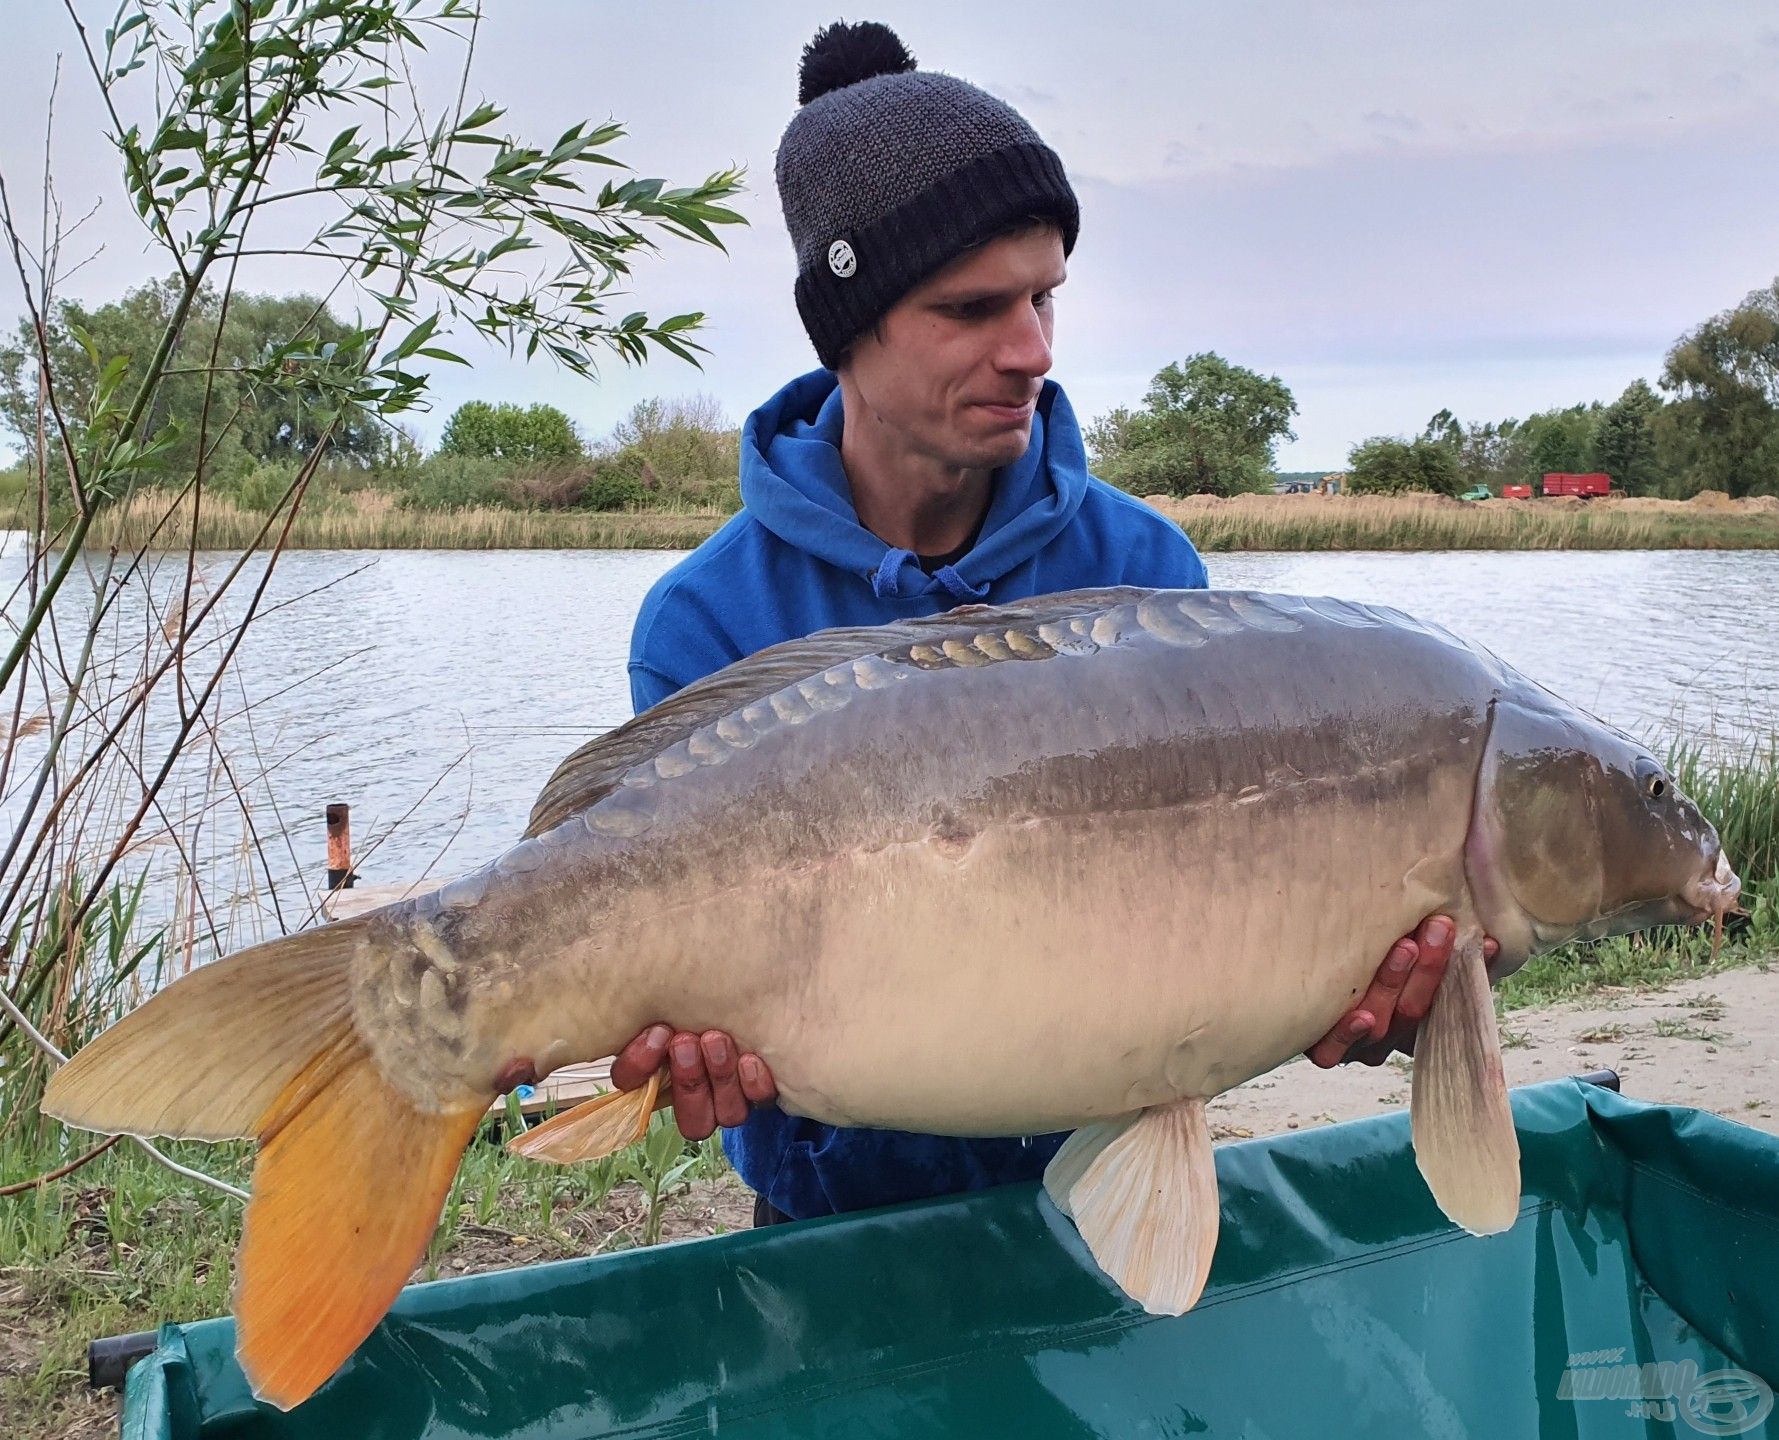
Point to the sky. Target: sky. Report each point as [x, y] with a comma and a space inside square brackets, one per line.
[1394, 207]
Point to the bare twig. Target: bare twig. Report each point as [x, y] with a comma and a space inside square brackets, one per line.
[61, 1171]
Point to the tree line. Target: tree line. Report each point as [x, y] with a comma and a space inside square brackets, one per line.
[1711, 422]
[252, 436]
[1205, 426]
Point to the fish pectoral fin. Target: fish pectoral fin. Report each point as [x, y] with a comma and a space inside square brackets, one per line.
[1465, 1143]
[1143, 1193]
[598, 1127]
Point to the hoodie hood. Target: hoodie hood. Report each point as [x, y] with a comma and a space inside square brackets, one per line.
[793, 483]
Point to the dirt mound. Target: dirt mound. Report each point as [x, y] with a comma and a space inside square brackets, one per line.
[1762, 504]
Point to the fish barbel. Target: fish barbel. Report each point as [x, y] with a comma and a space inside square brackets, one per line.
[1081, 862]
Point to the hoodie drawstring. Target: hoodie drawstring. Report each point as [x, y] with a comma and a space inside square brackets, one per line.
[960, 588]
[886, 583]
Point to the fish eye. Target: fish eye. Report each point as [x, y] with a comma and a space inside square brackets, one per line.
[1652, 778]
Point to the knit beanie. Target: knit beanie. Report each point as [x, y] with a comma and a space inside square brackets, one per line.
[887, 172]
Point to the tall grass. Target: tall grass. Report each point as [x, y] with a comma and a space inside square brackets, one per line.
[371, 518]
[72, 972]
[1305, 522]
[1741, 796]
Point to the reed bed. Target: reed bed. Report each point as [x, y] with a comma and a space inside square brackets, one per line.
[1427, 522]
[373, 520]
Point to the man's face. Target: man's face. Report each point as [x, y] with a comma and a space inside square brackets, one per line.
[955, 367]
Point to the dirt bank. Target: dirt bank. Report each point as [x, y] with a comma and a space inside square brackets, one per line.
[1712, 1044]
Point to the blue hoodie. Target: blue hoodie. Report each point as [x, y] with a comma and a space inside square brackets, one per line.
[795, 560]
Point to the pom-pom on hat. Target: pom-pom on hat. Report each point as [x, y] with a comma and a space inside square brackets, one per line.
[887, 172]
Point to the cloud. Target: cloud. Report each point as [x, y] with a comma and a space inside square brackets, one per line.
[1392, 120]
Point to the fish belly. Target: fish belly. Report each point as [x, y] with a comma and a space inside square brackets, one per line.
[1049, 972]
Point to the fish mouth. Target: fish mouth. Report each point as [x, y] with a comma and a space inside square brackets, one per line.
[1712, 898]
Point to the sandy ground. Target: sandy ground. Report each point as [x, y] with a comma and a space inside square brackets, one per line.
[1712, 1044]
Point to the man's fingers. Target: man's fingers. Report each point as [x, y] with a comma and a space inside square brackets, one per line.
[641, 1058]
[727, 1100]
[756, 1080]
[692, 1106]
[1434, 941]
[1386, 986]
[1332, 1047]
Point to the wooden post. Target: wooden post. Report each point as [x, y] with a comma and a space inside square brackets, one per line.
[339, 847]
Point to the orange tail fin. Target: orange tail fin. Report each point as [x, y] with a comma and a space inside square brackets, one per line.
[351, 1174]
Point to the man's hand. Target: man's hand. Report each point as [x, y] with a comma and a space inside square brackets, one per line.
[713, 1084]
[1390, 1012]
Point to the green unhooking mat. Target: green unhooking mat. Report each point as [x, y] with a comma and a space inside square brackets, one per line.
[1638, 1295]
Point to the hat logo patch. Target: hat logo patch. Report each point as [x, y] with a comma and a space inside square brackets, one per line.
[841, 260]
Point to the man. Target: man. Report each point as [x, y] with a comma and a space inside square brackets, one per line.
[929, 463]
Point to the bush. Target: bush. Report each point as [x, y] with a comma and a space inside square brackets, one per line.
[15, 486]
[261, 487]
[612, 490]
[478, 430]
[456, 482]
[1385, 466]
[681, 451]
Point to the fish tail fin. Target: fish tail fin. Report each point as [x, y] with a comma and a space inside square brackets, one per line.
[351, 1173]
[346, 1194]
[1465, 1143]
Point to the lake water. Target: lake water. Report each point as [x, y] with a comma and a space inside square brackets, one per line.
[382, 672]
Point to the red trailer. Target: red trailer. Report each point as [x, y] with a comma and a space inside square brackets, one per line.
[1516, 492]
[1559, 482]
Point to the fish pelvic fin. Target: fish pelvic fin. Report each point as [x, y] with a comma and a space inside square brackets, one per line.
[352, 1172]
[1465, 1143]
[597, 1127]
[1078, 1152]
[1143, 1193]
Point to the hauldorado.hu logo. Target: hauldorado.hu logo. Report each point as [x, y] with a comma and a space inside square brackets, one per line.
[1720, 1402]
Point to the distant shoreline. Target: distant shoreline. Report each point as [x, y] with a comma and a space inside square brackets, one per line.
[1216, 525]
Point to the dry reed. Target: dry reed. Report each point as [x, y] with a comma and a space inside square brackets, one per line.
[371, 520]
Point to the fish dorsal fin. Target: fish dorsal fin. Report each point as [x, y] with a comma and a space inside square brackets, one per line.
[592, 771]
